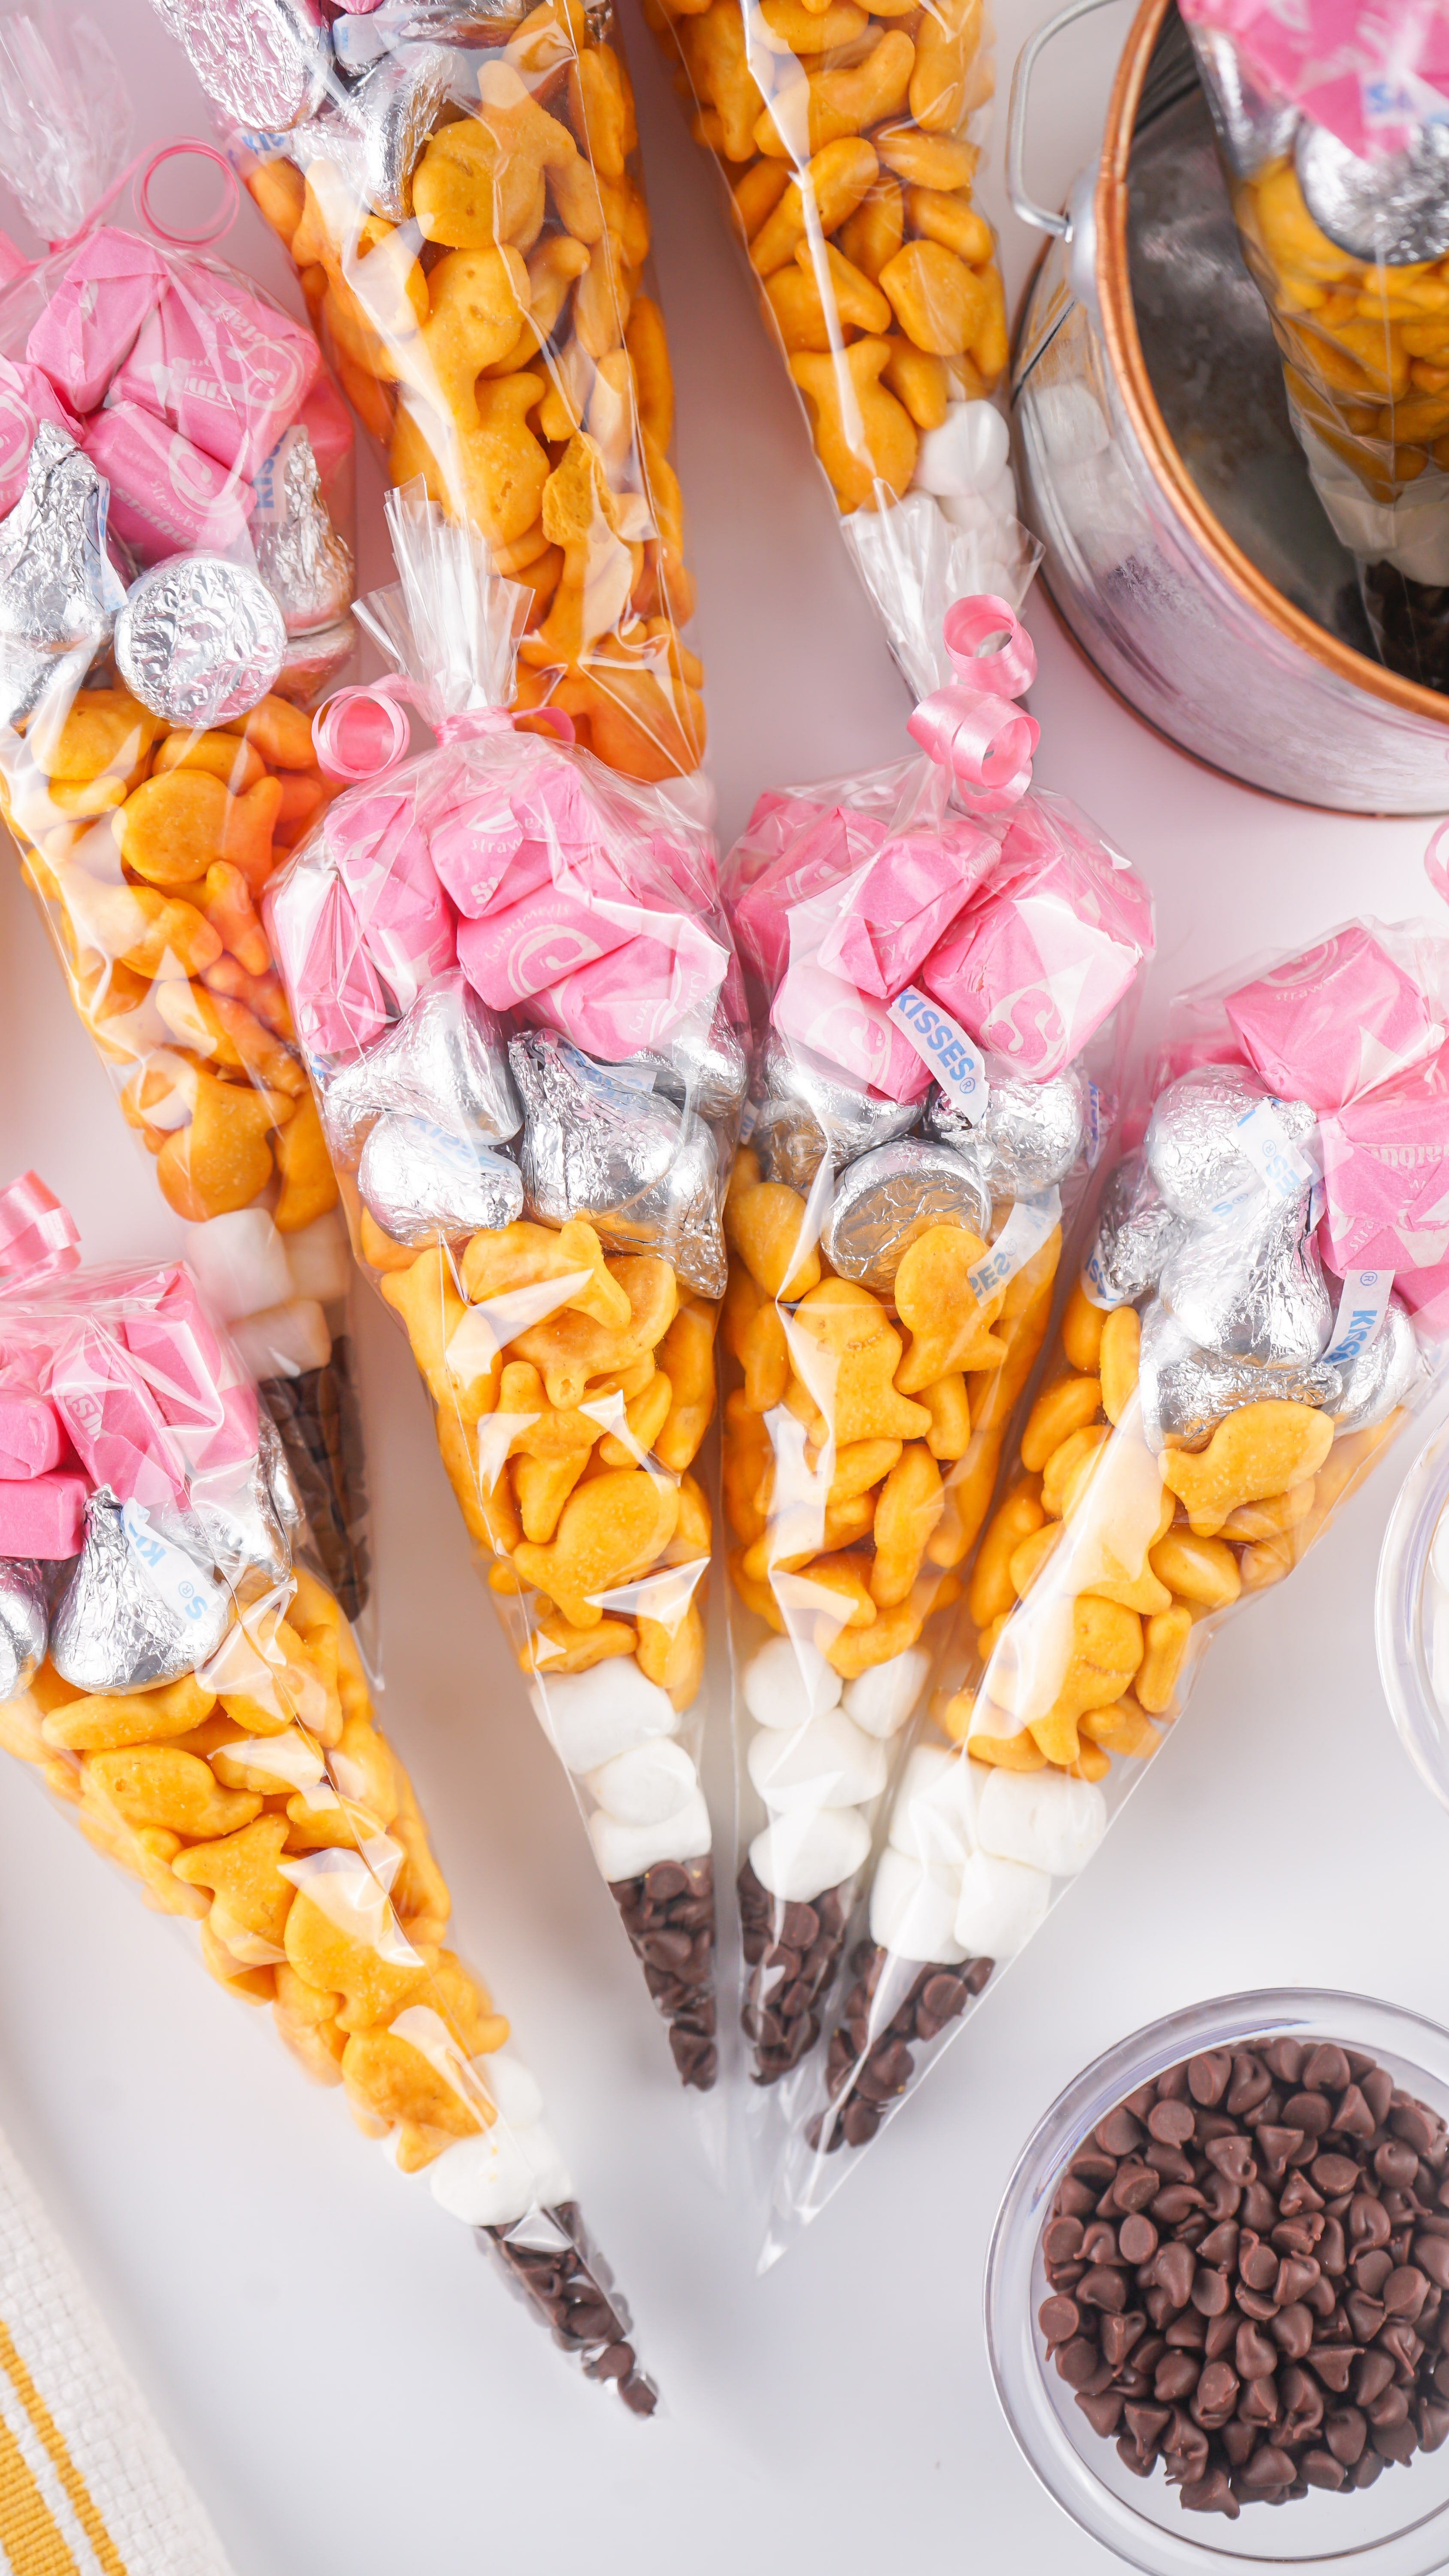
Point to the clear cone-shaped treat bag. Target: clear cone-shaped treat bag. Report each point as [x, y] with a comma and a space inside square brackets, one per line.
[460, 190]
[849, 140]
[1261, 1309]
[514, 982]
[937, 962]
[181, 1679]
[175, 588]
[1332, 122]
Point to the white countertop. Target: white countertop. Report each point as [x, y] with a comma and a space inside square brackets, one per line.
[347, 2385]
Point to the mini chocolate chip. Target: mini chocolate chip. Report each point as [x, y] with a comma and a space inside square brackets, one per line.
[1171, 2123]
[1254, 2357]
[1137, 2239]
[1325, 2069]
[1405, 2291]
[1118, 2134]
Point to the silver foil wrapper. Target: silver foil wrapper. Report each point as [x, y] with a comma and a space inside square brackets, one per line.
[599, 1148]
[1185, 1392]
[59, 592]
[24, 1623]
[1250, 1285]
[313, 662]
[265, 63]
[889, 1197]
[806, 1111]
[1383, 1376]
[1029, 1135]
[236, 1509]
[1391, 211]
[114, 1628]
[391, 112]
[421, 1181]
[300, 556]
[446, 1060]
[1193, 1149]
[282, 1492]
[704, 1070]
[1137, 1233]
[200, 640]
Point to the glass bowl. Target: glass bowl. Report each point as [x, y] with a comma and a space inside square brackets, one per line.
[1403, 1615]
[1397, 2527]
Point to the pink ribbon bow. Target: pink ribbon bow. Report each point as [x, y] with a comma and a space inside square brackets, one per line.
[362, 733]
[970, 727]
[38, 1237]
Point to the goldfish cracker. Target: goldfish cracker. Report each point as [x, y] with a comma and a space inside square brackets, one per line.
[1258, 1453]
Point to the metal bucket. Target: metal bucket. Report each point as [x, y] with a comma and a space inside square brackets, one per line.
[1185, 548]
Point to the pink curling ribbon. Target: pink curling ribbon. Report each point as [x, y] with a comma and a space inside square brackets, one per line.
[38, 1237]
[970, 727]
[362, 733]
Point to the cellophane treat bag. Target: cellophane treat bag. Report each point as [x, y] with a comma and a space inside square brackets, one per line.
[1331, 121]
[460, 190]
[1262, 1308]
[176, 579]
[515, 988]
[184, 1683]
[848, 139]
[939, 964]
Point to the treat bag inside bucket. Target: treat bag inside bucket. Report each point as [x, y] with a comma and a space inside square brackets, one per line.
[938, 964]
[517, 994]
[1332, 132]
[175, 586]
[194, 1696]
[849, 144]
[1261, 1310]
[461, 194]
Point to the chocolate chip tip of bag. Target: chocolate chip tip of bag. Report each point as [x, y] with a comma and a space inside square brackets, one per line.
[669, 1916]
[792, 1951]
[869, 2063]
[570, 2287]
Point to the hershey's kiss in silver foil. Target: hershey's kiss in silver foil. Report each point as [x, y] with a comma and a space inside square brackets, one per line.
[704, 1070]
[445, 1060]
[59, 592]
[596, 1147]
[1185, 1393]
[1250, 1284]
[236, 1509]
[392, 111]
[893, 1194]
[305, 564]
[200, 640]
[806, 1111]
[1382, 1376]
[1194, 1152]
[1392, 210]
[1136, 1233]
[420, 1180]
[120, 1626]
[24, 1623]
[265, 63]
[314, 661]
[1029, 1135]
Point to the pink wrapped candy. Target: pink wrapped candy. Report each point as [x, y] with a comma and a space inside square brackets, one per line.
[1336, 1021]
[114, 1422]
[27, 397]
[166, 496]
[31, 1439]
[226, 371]
[1386, 1174]
[84, 332]
[43, 1516]
[824, 1013]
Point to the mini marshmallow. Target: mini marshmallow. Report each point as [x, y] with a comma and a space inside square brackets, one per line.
[512, 2087]
[645, 1785]
[913, 1909]
[282, 1341]
[825, 1763]
[552, 2181]
[319, 1258]
[591, 1716]
[43, 1515]
[626, 1851]
[239, 1262]
[31, 1439]
[882, 1697]
[1042, 1818]
[787, 1681]
[933, 1815]
[1002, 1903]
[967, 452]
[487, 2180]
[798, 1856]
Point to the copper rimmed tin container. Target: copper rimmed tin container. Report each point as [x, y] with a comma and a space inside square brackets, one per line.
[1185, 548]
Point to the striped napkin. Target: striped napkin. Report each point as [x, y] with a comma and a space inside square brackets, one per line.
[88, 2486]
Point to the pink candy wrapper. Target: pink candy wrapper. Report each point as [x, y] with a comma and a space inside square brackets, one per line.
[224, 369]
[166, 497]
[27, 397]
[1341, 1019]
[1373, 75]
[99, 303]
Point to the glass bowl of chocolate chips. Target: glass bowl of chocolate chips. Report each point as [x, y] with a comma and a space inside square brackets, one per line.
[1219, 2282]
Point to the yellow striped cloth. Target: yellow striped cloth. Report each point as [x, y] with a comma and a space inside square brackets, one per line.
[88, 2485]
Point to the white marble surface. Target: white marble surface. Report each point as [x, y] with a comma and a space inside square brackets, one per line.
[348, 2387]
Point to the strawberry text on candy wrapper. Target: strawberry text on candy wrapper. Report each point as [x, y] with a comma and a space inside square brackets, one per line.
[942, 1043]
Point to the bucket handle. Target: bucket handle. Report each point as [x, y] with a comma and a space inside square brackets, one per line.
[1041, 218]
